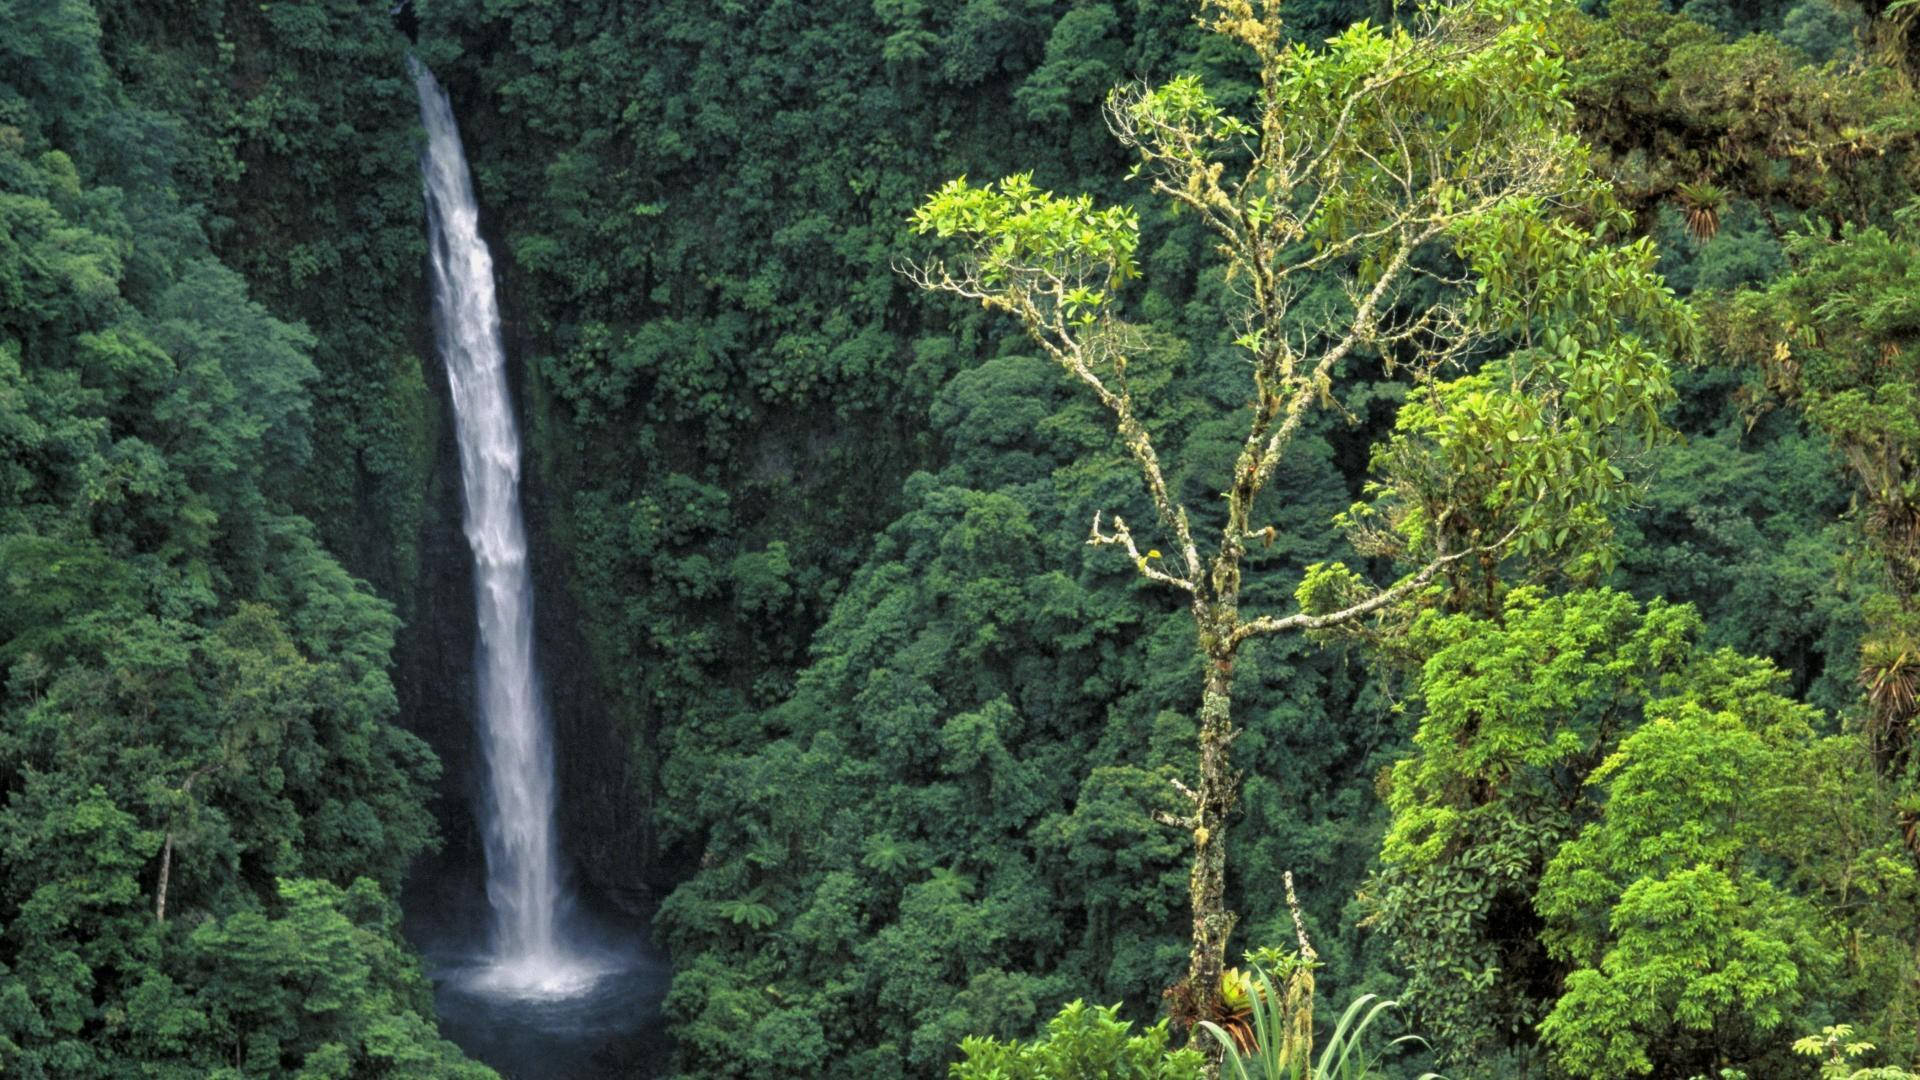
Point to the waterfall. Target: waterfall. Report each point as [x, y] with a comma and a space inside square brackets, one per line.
[529, 955]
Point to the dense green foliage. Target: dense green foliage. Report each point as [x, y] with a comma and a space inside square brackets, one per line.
[1082, 1043]
[293, 131]
[897, 735]
[205, 808]
[1580, 844]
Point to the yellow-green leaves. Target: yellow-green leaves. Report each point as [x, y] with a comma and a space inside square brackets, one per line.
[1329, 587]
[1541, 442]
[1672, 907]
[1652, 801]
[1065, 252]
[1082, 1040]
[1183, 105]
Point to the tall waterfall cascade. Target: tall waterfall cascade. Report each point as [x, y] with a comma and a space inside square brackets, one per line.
[524, 884]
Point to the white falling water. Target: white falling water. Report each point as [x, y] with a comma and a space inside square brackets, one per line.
[523, 878]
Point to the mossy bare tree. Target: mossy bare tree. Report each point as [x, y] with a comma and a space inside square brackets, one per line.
[1428, 169]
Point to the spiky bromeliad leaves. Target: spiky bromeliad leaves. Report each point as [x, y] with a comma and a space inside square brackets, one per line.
[1703, 203]
[1370, 161]
[1275, 1039]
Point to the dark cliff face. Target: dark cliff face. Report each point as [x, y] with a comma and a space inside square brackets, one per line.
[433, 654]
[605, 813]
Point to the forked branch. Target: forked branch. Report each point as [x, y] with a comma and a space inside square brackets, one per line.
[1300, 620]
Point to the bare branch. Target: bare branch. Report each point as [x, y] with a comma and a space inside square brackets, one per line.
[1299, 921]
[1268, 624]
[1183, 822]
[1188, 822]
[1081, 351]
[1123, 536]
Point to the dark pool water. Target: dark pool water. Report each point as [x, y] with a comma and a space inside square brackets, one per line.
[609, 1028]
[604, 1026]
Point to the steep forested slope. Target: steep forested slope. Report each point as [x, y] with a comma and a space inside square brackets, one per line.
[839, 677]
[295, 130]
[739, 379]
[707, 279]
[207, 805]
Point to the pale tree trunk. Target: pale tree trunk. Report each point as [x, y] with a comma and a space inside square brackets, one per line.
[1059, 290]
[166, 871]
[166, 849]
[1213, 801]
[1217, 623]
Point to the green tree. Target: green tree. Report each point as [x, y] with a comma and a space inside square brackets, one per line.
[1514, 714]
[1669, 909]
[1831, 338]
[315, 986]
[1082, 1043]
[1636, 844]
[1373, 160]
